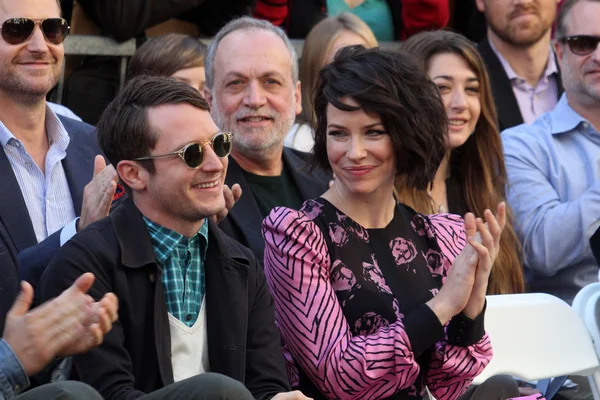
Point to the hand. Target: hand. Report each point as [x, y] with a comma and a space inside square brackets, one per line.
[295, 395]
[105, 313]
[48, 330]
[98, 194]
[456, 291]
[231, 197]
[487, 247]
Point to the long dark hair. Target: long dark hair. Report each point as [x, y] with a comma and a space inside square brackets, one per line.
[478, 163]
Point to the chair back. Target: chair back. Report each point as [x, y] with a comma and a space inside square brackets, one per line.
[537, 336]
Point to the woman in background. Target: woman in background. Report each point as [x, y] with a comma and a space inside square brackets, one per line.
[320, 46]
[175, 55]
[373, 300]
[471, 176]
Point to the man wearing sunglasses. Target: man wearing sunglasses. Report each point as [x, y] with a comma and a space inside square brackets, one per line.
[553, 165]
[253, 87]
[518, 55]
[46, 161]
[192, 299]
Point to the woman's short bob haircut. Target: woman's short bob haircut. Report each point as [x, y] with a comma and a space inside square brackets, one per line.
[387, 84]
[164, 55]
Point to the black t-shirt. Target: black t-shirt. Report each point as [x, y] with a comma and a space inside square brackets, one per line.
[274, 191]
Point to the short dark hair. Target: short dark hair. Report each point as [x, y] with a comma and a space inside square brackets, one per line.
[565, 8]
[390, 85]
[124, 132]
[164, 55]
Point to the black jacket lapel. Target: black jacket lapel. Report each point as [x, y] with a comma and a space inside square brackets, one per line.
[509, 113]
[13, 210]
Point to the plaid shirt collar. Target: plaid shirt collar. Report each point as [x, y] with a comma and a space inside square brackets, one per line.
[165, 240]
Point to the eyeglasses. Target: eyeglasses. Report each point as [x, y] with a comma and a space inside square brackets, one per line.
[582, 45]
[19, 30]
[192, 154]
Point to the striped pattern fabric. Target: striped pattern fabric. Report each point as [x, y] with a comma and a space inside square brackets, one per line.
[46, 194]
[182, 261]
[315, 331]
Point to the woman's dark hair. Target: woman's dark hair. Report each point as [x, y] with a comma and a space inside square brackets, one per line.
[164, 55]
[478, 164]
[390, 85]
[124, 131]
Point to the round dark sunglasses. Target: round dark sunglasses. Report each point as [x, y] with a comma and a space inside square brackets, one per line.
[582, 45]
[193, 154]
[19, 30]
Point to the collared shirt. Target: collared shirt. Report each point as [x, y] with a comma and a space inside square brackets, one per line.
[553, 168]
[533, 101]
[182, 261]
[47, 195]
[13, 379]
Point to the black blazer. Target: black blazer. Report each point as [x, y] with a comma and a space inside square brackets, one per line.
[244, 221]
[509, 113]
[79, 169]
[243, 341]
[9, 275]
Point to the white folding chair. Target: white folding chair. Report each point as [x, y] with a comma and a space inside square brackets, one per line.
[537, 336]
[587, 305]
[582, 297]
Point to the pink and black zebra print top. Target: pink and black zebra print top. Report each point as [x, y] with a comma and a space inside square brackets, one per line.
[350, 304]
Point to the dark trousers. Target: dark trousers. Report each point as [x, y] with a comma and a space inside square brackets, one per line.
[499, 387]
[208, 386]
[69, 390]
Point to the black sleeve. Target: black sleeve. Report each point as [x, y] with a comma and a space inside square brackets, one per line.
[124, 19]
[265, 369]
[107, 368]
[464, 331]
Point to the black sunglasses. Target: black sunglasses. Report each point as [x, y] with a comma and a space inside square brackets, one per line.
[582, 45]
[19, 30]
[192, 154]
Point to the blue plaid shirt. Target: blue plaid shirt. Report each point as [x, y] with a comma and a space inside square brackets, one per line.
[182, 262]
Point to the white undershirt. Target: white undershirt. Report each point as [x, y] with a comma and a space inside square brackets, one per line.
[189, 346]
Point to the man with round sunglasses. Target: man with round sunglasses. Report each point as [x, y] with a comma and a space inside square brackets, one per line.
[553, 165]
[192, 299]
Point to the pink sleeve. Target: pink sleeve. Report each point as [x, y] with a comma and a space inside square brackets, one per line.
[453, 368]
[313, 325]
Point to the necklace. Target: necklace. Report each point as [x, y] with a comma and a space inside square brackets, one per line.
[436, 206]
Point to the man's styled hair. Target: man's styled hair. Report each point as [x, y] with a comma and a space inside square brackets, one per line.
[164, 55]
[565, 8]
[387, 84]
[124, 132]
[246, 24]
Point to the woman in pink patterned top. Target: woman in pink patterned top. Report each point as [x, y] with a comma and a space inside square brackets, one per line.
[373, 300]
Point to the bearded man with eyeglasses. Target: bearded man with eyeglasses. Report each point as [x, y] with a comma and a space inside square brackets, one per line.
[553, 165]
[194, 301]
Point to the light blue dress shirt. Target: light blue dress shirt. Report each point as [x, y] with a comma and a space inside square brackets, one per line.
[46, 194]
[553, 168]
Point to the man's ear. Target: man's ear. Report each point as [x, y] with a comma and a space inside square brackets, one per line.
[207, 94]
[132, 174]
